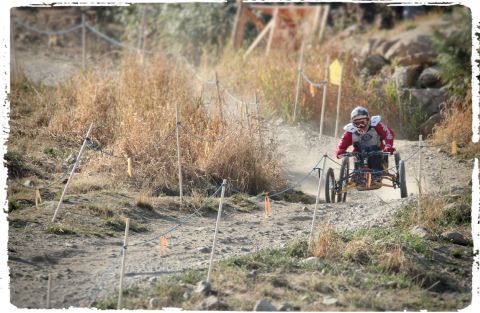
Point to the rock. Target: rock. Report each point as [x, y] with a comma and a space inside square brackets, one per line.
[419, 231]
[203, 287]
[286, 307]
[153, 280]
[28, 183]
[329, 300]
[421, 58]
[305, 209]
[204, 250]
[252, 274]
[212, 303]
[312, 260]
[70, 159]
[373, 64]
[428, 100]
[426, 128]
[154, 303]
[264, 305]
[430, 77]
[244, 249]
[382, 46]
[455, 237]
[349, 31]
[186, 295]
[406, 76]
[412, 47]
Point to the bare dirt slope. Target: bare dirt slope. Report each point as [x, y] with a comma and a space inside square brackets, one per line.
[86, 269]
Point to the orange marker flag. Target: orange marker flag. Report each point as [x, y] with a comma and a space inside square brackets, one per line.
[163, 245]
[38, 198]
[267, 205]
[312, 90]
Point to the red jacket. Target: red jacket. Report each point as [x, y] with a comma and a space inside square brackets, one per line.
[385, 133]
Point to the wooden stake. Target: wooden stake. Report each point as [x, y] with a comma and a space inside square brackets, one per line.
[217, 83]
[299, 80]
[317, 200]
[335, 135]
[324, 98]
[122, 269]
[259, 37]
[220, 205]
[38, 199]
[324, 22]
[179, 154]
[129, 167]
[272, 31]
[84, 42]
[419, 177]
[82, 149]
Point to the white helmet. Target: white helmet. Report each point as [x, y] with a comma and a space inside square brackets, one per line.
[360, 119]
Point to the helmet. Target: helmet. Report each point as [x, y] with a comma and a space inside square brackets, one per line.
[360, 119]
[359, 112]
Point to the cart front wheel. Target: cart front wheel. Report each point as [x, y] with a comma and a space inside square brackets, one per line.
[329, 186]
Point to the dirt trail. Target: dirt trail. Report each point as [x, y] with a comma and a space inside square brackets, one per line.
[86, 269]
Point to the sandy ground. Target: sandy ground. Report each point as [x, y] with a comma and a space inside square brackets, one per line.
[86, 269]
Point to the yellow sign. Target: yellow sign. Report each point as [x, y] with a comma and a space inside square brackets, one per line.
[335, 70]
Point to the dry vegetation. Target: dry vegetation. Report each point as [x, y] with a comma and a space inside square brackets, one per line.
[132, 110]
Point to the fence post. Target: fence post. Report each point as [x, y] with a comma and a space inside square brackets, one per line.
[317, 200]
[299, 80]
[217, 84]
[324, 98]
[82, 149]
[122, 269]
[49, 289]
[84, 49]
[179, 154]
[216, 230]
[338, 103]
[419, 177]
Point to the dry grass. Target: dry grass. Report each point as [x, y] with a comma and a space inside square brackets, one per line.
[84, 183]
[457, 126]
[393, 260]
[328, 243]
[134, 108]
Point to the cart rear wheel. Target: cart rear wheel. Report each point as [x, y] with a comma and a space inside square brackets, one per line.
[402, 179]
[329, 186]
[397, 160]
[344, 171]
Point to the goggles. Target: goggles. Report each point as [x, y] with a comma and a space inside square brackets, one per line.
[361, 122]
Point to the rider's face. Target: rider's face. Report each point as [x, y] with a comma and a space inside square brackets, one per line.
[360, 122]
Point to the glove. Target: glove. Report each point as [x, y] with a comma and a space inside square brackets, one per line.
[338, 153]
[388, 149]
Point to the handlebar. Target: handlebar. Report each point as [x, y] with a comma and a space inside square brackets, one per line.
[363, 154]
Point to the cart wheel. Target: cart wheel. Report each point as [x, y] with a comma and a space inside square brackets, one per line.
[402, 179]
[329, 186]
[343, 179]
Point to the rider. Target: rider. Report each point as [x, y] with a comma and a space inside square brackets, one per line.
[367, 134]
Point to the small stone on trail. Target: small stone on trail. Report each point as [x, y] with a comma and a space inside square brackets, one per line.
[264, 305]
[153, 303]
[203, 287]
[285, 307]
[305, 209]
[212, 303]
[204, 250]
[419, 231]
[329, 300]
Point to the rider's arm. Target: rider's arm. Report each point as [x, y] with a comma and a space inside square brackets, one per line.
[345, 142]
[386, 134]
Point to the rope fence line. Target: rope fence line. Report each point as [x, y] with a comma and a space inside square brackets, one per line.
[183, 221]
[46, 32]
[317, 85]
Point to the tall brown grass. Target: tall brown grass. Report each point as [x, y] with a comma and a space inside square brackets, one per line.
[456, 125]
[133, 108]
[275, 78]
